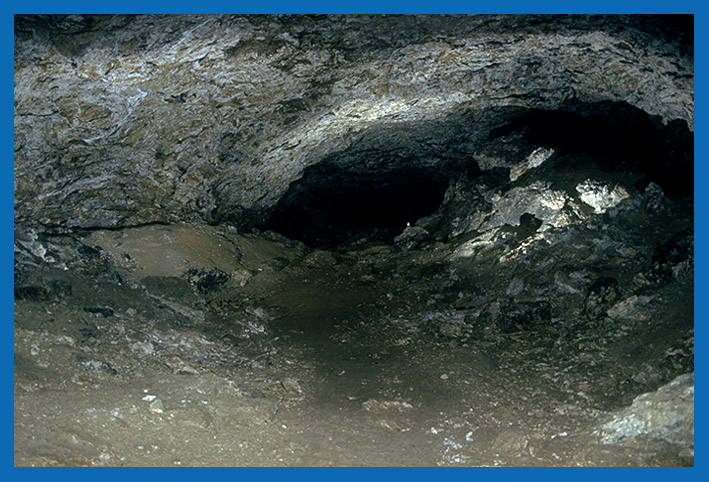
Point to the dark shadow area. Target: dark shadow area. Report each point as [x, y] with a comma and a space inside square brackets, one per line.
[393, 176]
[331, 204]
[619, 136]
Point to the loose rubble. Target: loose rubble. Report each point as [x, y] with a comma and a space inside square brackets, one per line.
[491, 357]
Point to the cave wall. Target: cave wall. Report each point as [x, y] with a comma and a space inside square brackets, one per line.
[128, 120]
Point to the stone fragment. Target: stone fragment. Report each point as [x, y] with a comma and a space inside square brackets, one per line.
[374, 405]
[601, 196]
[143, 347]
[412, 237]
[179, 367]
[631, 308]
[665, 414]
[320, 259]
[538, 157]
[156, 406]
[291, 386]
[537, 199]
[393, 425]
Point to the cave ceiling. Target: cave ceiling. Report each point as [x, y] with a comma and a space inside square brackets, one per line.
[131, 120]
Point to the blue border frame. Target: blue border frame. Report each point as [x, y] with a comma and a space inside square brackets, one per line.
[365, 6]
[362, 6]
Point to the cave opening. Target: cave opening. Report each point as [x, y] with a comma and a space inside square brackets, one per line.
[334, 204]
[373, 192]
[538, 311]
[614, 136]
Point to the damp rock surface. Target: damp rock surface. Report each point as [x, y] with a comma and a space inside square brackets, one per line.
[353, 241]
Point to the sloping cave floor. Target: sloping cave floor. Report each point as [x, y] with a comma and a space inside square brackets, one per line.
[194, 345]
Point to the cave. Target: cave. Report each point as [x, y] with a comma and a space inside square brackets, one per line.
[370, 191]
[353, 240]
[330, 205]
[372, 194]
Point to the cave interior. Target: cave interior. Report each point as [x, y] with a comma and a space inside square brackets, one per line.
[354, 240]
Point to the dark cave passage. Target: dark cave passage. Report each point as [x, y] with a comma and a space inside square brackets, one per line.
[331, 204]
[374, 193]
[353, 240]
[618, 136]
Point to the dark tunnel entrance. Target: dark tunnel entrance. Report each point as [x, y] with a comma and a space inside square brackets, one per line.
[331, 204]
[373, 192]
[618, 137]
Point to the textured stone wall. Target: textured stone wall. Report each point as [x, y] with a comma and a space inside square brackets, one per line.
[127, 120]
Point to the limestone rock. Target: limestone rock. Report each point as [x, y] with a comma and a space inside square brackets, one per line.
[665, 414]
[126, 120]
[600, 196]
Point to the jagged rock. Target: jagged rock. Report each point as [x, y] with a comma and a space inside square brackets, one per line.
[600, 196]
[665, 414]
[412, 237]
[630, 308]
[481, 224]
[535, 159]
[320, 259]
[548, 205]
[126, 120]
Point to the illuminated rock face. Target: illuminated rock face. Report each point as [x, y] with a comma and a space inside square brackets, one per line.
[128, 120]
[402, 240]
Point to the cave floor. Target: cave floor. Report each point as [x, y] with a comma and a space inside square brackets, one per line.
[137, 349]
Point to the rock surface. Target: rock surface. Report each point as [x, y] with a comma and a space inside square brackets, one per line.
[127, 120]
[666, 414]
[353, 240]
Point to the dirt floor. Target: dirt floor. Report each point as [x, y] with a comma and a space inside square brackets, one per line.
[199, 346]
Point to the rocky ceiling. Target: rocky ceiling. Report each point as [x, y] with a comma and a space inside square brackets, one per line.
[131, 120]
